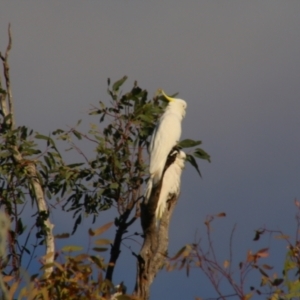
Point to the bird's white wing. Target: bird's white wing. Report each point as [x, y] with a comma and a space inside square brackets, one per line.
[170, 184]
[164, 138]
[164, 193]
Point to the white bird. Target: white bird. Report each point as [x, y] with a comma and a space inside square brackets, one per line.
[170, 182]
[165, 136]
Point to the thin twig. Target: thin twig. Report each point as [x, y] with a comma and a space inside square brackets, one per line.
[230, 247]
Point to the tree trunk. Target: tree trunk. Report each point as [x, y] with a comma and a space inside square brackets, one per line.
[6, 105]
[156, 240]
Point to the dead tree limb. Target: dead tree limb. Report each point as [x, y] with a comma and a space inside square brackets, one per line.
[156, 241]
[6, 105]
[7, 94]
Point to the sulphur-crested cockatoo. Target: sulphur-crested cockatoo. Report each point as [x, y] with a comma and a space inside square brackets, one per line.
[165, 136]
[170, 182]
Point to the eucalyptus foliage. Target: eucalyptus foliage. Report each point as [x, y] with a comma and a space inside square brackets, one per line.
[117, 173]
[88, 186]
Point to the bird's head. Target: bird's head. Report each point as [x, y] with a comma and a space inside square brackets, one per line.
[181, 155]
[175, 103]
[176, 156]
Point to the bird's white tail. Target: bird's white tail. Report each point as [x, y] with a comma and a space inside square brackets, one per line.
[148, 189]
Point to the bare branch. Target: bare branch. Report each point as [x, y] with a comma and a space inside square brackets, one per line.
[231, 247]
[5, 64]
[29, 165]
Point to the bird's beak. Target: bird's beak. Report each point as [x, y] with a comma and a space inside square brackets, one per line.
[167, 97]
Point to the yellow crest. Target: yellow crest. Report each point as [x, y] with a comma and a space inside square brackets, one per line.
[166, 96]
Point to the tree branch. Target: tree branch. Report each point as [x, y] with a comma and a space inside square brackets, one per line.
[156, 240]
[27, 164]
[116, 246]
[4, 228]
[4, 59]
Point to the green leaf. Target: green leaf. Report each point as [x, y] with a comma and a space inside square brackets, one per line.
[102, 118]
[146, 118]
[289, 265]
[75, 165]
[41, 137]
[48, 162]
[114, 185]
[46, 138]
[295, 288]
[5, 154]
[71, 248]
[102, 229]
[200, 153]
[77, 134]
[62, 236]
[118, 83]
[263, 272]
[97, 261]
[193, 162]
[58, 131]
[26, 250]
[277, 281]
[77, 222]
[188, 143]
[103, 242]
[258, 233]
[20, 227]
[100, 249]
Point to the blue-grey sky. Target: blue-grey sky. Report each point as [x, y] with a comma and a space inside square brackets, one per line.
[236, 63]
